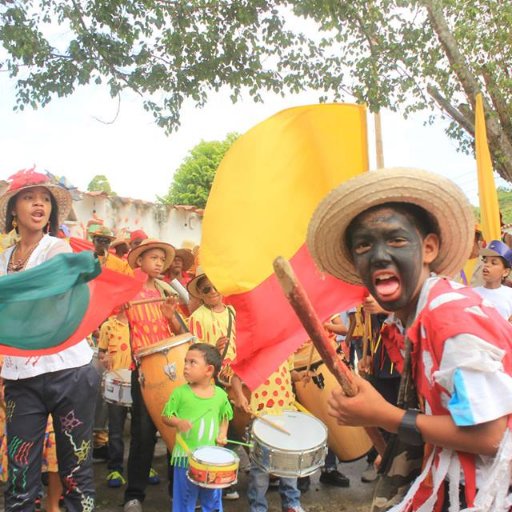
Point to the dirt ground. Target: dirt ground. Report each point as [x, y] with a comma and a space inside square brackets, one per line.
[319, 498]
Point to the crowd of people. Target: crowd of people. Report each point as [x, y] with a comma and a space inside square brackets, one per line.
[431, 357]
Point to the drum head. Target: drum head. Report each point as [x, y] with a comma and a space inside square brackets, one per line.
[214, 455]
[123, 375]
[306, 432]
[167, 344]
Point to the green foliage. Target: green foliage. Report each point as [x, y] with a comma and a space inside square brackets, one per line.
[100, 183]
[406, 55]
[193, 179]
[505, 201]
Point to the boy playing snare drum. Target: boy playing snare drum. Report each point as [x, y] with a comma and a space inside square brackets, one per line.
[200, 412]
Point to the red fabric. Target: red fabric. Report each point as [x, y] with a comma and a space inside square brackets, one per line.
[79, 244]
[267, 329]
[108, 290]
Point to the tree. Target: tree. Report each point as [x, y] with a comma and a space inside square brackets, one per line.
[100, 184]
[194, 177]
[399, 54]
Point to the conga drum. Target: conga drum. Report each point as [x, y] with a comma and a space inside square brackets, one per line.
[348, 443]
[160, 372]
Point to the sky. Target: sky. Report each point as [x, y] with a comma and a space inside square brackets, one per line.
[67, 138]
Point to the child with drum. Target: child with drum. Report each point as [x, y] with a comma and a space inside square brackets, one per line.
[274, 396]
[200, 411]
[389, 230]
[151, 320]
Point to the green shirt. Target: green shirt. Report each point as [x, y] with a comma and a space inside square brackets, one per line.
[211, 411]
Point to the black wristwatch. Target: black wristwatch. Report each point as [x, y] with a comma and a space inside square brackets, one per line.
[408, 431]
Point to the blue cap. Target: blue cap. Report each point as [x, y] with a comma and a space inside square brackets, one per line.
[498, 248]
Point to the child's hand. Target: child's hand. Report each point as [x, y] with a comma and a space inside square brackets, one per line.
[221, 343]
[242, 403]
[221, 440]
[183, 425]
[169, 307]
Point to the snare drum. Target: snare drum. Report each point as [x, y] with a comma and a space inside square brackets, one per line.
[117, 387]
[160, 372]
[213, 467]
[296, 455]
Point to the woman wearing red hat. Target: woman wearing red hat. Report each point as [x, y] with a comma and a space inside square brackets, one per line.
[60, 384]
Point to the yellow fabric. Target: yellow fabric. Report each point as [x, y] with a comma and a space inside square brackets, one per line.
[208, 326]
[275, 394]
[268, 185]
[488, 197]
[115, 339]
[117, 264]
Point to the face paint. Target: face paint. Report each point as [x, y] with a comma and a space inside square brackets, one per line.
[387, 251]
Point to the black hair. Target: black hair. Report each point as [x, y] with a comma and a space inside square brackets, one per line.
[421, 219]
[53, 221]
[201, 280]
[211, 355]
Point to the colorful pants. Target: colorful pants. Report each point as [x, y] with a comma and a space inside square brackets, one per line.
[65, 394]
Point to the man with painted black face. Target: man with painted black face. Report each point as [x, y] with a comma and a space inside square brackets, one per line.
[393, 230]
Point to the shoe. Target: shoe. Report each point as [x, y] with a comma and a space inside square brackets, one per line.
[335, 478]
[153, 478]
[369, 474]
[230, 493]
[132, 506]
[273, 482]
[115, 479]
[303, 483]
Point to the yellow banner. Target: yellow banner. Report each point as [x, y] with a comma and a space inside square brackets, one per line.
[488, 196]
[268, 185]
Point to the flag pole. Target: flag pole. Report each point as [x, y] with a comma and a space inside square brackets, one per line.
[379, 145]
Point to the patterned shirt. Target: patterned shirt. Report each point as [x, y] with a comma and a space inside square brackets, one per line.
[115, 339]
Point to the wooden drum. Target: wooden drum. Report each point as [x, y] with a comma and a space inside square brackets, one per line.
[348, 443]
[160, 372]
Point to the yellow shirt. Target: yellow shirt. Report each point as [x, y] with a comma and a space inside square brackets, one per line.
[276, 393]
[115, 339]
[117, 264]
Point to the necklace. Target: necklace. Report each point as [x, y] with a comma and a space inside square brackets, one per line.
[15, 265]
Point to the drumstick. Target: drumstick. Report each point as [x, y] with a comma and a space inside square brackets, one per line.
[270, 423]
[367, 333]
[183, 444]
[301, 408]
[310, 358]
[232, 441]
[199, 417]
[303, 308]
[145, 301]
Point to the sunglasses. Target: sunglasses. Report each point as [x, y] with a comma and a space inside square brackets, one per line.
[207, 289]
[102, 240]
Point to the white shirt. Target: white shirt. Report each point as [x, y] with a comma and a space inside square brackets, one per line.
[17, 367]
[500, 298]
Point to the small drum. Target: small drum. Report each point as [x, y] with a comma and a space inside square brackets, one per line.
[213, 467]
[298, 454]
[160, 372]
[117, 387]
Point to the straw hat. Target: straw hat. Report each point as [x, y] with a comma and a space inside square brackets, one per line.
[119, 241]
[437, 195]
[192, 284]
[102, 231]
[28, 178]
[187, 257]
[147, 244]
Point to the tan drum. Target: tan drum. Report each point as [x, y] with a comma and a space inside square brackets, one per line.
[160, 372]
[213, 467]
[348, 443]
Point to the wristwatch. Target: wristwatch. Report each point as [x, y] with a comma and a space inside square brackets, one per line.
[408, 432]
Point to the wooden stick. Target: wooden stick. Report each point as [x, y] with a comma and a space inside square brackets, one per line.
[199, 417]
[379, 146]
[232, 441]
[145, 301]
[270, 423]
[310, 357]
[367, 333]
[303, 308]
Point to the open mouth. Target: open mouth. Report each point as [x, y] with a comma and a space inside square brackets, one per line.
[37, 215]
[387, 285]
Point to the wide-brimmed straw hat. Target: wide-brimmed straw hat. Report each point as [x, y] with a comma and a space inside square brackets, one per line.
[192, 284]
[186, 256]
[439, 196]
[119, 241]
[101, 231]
[28, 178]
[147, 244]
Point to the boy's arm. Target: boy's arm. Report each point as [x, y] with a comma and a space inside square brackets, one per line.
[222, 438]
[369, 409]
[180, 424]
